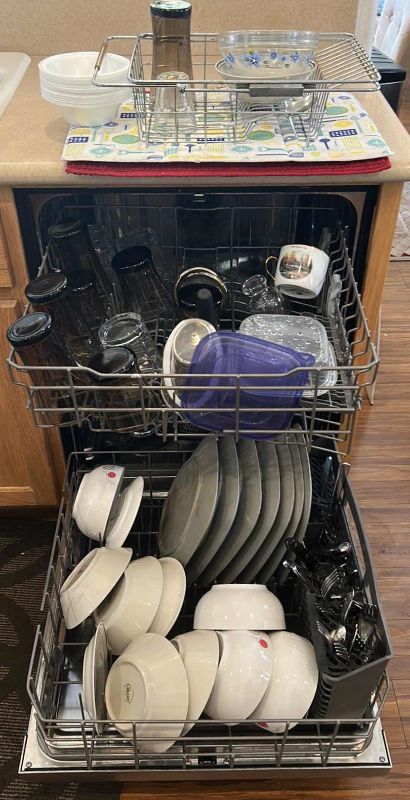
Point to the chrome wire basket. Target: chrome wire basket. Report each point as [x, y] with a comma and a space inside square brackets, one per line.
[225, 108]
[77, 398]
[66, 735]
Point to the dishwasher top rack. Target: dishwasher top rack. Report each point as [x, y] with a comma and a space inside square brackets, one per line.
[225, 108]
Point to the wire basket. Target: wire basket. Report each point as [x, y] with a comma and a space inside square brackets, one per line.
[65, 734]
[77, 398]
[221, 112]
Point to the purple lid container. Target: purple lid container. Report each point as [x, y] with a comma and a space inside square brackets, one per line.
[212, 402]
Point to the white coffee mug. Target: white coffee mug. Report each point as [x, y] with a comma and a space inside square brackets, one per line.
[301, 270]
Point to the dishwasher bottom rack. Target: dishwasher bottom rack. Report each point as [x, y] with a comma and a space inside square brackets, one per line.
[63, 743]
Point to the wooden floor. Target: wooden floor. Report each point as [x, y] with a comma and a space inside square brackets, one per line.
[381, 480]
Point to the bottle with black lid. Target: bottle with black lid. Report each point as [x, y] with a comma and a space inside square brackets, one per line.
[171, 28]
[71, 303]
[71, 250]
[122, 389]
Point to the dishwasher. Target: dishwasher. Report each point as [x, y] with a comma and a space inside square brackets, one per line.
[232, 231]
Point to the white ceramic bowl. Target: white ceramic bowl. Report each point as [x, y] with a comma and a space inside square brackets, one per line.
[133, 603]
[121, 522]
[243, 675]
[172, 597]
[90, 582]
[199, 651]
[239, 606]
[96, 500]
[91, 116]
[148, 682]
[293, 684]
[95, 671]
[84, 98]
[77, 69]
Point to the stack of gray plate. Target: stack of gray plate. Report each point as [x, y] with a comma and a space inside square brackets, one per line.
[233, 505]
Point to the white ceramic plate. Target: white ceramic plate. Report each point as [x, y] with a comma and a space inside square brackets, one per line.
[172, 597]
[91, 581]
[269, 466]
[287, 499]
[199, 651]
[120, 525]
[131, 606]
[250, 502]
[225, 511]
[191, 503]
[95, 671]
[278, 554]
[148, 682]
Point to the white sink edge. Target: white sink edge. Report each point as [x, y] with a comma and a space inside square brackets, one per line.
[14, 65]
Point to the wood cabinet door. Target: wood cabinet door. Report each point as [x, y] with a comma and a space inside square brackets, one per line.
[28, 476]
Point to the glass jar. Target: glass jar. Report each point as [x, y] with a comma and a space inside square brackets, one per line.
[37, 342]
[142, 289]
[171, 28]
[71, 250]
[263, 299]
[122, 390]
[129, 330]
[65, 299]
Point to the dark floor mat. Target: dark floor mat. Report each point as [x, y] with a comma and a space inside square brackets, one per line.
[24, 554]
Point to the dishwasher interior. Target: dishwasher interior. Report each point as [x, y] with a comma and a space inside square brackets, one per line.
[232, 233]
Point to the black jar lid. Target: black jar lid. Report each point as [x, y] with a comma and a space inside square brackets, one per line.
[132, 259]
[63, 230]
[81, 280]
[113, 361]
[171, 8]
[47, 288]
[30, 329]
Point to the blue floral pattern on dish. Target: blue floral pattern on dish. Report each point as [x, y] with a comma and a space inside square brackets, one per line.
[256, 59]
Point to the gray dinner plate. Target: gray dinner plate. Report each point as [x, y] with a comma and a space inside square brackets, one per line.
[279, 553]
[269, 466]
[307, 501]
[287, 499]
[225, 511]
[250, 502]
[191, 503]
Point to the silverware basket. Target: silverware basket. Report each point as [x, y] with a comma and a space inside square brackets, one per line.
[62, 738]
[72, 398]
[342, 65]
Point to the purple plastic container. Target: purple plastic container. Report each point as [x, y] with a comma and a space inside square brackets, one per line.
[258, 408]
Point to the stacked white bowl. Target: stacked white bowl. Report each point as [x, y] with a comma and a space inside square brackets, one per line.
[66, 81]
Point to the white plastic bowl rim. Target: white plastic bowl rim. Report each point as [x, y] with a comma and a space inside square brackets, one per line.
[46, 67]
[88, 91]
[90, 102]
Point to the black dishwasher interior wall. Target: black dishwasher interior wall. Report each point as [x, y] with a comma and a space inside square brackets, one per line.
[230, 231]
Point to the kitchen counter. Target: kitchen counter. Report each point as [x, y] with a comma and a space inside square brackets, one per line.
[32, 134]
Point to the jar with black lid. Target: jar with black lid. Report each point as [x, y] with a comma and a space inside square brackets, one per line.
[120, 388]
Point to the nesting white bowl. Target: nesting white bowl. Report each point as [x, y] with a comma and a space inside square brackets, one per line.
[131, 607]
[243, 675]
[148, 682]
[199, 651]
[91, 581]
[95, 501]
[239, 606]
[293, 684]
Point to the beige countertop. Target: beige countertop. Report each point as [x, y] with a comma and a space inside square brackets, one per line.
[32, 134]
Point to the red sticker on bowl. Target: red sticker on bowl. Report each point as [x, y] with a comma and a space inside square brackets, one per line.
[263, 643]
[112, 474]
[263, 724]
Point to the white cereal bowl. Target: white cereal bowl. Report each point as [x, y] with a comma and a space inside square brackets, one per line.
[239, 606]
[91, 115]
[293, 684]
[172, 597]
[96, 499]
[243, 675]
[91, 581]
[130, 608]
[77, 69]
[148, 682]
[199, 651]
